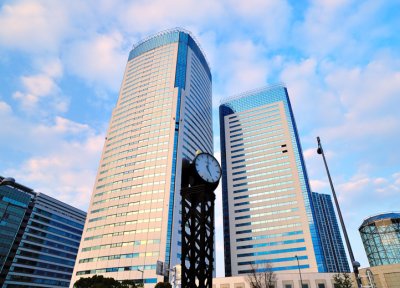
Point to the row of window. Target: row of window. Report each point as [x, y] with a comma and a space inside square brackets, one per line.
[253, 112]
[270, 235]
[115, 190]
[123, 223]
[117, 139]
[263, 180]
[121, 233]
[259, 135]
[145, 155]
[262, 174]
[259, 157]
[274, 205]
[117, 269]
[131, 195]
[275, 260]
[131, 172]
[129, 204]
[123, 214]
[266, 214]
[261, 116]
[263, 124]
[250, 231]
[119, 256]
[265, 221]
[264, 193]
[258, 130]
[274, 243]
[147, 140]
[122, 244]
[255, 188]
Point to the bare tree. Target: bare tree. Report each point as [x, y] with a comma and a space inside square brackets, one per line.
[261, 277]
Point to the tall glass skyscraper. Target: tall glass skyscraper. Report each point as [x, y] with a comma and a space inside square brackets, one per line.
[267, 208]
[163, 113]
[331, 240]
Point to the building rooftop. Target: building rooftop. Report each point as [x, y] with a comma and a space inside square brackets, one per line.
[381, 216]
[251, 92]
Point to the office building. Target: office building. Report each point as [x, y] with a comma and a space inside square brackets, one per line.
[380, 235]
[44, 249]
[331, 240]
[267, 209]
[163, 113]
[14, 203]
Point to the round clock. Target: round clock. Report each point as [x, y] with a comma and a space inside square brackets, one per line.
[207, 168]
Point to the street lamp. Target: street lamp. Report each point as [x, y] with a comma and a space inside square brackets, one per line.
[298, 265]
[354, 263]
[140, 270]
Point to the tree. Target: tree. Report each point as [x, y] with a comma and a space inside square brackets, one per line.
[99, 281]
[163, 285]
[263, 277]
[342, 280]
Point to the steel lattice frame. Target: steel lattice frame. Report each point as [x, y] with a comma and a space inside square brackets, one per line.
[197, 236]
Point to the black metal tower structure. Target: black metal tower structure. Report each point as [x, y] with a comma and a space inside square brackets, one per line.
[197, 236]
[197, 226]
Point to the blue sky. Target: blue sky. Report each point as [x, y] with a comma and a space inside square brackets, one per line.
[62, 62]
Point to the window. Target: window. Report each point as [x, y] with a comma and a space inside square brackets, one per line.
[288, 286]
[321, 285]
[304, 285]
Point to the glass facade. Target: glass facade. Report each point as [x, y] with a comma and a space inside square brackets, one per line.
[381, 238]
[163, 114]
[267, 207]
[46, 254]
[331, 240]
[13, 206]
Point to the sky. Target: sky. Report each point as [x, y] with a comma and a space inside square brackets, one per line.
[62, 63]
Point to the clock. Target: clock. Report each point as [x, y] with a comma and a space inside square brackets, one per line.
[206, 169]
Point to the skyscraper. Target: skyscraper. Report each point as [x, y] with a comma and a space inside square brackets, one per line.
[163, 113]
[331, 240]
[267, 208]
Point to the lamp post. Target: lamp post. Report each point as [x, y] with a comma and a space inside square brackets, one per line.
[298, 265]
[354, 263]
[141, 270]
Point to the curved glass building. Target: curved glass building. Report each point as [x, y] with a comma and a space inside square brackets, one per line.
[381, 238]
[163, 113]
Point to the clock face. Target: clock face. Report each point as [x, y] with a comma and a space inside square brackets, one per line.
[207, 167]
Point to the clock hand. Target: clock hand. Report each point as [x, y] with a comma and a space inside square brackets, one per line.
[208, 169]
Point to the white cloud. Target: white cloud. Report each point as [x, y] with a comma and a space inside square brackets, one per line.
[36, 88]
[67, 174]
[100, 60]
[62, 166]
[272, 18]
[32, 25]
[152, 16]
[241, 67]
[5, 108]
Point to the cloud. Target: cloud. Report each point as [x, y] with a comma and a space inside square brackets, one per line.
[168, 14]
[32, 25]
[63, 166]
[272, 18]
[99, 60]
[36, 88]
[241, 67]
[5, 108]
